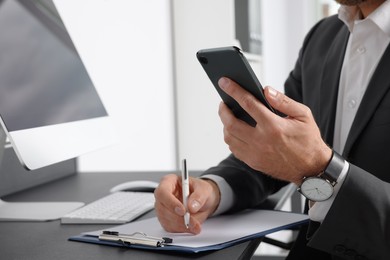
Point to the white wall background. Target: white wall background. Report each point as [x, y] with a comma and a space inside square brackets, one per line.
[127, 49]
[285, 24]
[199, 24]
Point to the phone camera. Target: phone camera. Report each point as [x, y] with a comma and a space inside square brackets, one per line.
[203, 60]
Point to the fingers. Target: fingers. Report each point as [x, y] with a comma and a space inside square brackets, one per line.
[173, 222]
[170, 210]
[204, 199]
[258, 111]
[286, 105]
[168, 192]
[234, 129]
[247, 101]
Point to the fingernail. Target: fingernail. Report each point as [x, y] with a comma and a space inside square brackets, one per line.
[272, 92]
[223, 83]
[179, 211]
[195, 205]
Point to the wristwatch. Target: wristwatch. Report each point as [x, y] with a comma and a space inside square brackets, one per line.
[320, 188]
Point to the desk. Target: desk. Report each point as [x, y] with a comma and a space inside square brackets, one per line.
[48, 240]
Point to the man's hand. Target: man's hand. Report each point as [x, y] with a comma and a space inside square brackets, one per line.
[203, 200]
[287, 148]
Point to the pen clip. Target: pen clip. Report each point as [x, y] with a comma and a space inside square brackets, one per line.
[137, 238]
[184, 169]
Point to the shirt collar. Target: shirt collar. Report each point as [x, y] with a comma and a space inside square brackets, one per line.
[349, 14]
[381, 16]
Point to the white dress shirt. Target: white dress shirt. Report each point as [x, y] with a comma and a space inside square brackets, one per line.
[368, 40]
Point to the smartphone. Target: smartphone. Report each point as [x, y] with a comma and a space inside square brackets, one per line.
[231, 63]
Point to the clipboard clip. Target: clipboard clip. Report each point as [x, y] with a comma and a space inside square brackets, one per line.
[137, 238]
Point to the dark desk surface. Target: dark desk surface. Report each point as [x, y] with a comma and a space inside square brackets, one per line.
[48, 240]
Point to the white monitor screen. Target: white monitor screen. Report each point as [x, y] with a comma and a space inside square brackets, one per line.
[49, 106]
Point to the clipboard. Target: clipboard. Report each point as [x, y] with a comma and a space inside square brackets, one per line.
[217, 232]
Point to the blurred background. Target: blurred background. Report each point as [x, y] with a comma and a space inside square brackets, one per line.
[141, 57]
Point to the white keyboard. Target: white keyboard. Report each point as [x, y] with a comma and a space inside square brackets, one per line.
[115, 208]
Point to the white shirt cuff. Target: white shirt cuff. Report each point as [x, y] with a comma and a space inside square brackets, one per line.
[227, 195]
[319, 210]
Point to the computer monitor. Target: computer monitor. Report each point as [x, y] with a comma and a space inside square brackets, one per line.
[49, 107]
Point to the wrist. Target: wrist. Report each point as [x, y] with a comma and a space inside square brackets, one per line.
[216, 196]
[324, 159]
[319, 163]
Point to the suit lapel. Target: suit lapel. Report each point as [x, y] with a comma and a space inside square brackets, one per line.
[379, 84]
[330, 84]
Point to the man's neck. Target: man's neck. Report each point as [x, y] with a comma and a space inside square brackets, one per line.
[366, 8]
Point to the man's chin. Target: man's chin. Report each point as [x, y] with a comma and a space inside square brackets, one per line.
[350, 2]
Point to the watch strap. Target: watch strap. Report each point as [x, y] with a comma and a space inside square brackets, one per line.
[334, 168]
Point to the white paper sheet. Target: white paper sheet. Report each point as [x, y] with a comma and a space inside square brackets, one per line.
[219, 229]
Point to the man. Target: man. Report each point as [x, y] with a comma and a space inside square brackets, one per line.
[337, 125]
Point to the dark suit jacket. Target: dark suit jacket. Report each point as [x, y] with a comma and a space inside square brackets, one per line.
[358, 223]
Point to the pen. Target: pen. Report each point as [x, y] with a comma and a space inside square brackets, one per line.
[185, 185]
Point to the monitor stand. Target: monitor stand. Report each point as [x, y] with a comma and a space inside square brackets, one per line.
[32, 211]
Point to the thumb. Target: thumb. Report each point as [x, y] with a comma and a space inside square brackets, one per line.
[284, 104]
[198, 197]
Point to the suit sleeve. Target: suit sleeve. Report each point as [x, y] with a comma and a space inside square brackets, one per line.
[358, 223]
[250, 187]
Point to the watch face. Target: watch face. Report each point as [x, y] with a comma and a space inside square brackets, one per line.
[316, 189]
